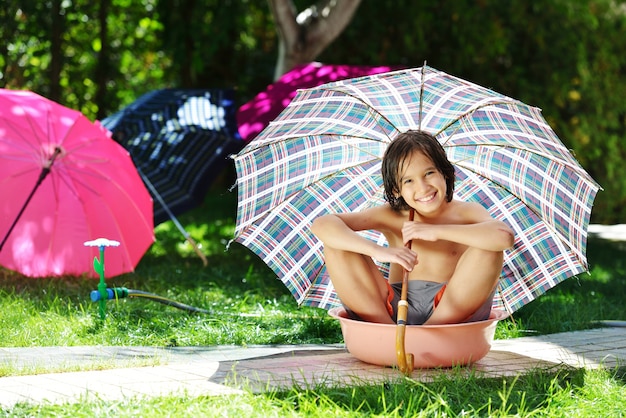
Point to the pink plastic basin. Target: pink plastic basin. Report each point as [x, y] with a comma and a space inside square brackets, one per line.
[431, 345]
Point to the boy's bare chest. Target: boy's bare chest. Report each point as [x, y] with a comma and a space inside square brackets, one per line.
[436, 260]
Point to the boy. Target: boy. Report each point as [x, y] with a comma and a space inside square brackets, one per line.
[457, 247]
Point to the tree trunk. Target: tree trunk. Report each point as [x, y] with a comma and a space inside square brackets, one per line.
[303, 36]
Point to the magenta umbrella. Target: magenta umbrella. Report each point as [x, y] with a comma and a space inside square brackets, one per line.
[63, 182]
[256, 114]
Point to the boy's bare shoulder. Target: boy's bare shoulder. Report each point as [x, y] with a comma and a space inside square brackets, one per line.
[468, 211]
[462, 204]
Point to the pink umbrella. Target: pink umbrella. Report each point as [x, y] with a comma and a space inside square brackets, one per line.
[256, 114]
[63, 182]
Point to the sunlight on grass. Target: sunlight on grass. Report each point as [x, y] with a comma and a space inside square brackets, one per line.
[169, 234]
[12, 369]
[559, 393]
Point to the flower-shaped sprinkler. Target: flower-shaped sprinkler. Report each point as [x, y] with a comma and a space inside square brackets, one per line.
[98, 266]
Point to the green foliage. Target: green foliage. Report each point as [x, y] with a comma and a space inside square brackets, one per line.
[564, 56]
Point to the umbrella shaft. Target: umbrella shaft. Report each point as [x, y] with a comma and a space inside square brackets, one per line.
[44, 173]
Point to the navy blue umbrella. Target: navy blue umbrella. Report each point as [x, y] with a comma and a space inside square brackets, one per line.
[180, 140]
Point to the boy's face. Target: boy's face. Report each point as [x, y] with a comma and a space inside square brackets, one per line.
[422, 185]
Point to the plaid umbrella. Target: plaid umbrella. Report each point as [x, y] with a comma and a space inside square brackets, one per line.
[323, 154]
[255, 115]
[180, 140]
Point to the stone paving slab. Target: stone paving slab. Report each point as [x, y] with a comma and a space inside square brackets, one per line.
[227, 370]
[583, 349]
[610, 232]
[32, 358]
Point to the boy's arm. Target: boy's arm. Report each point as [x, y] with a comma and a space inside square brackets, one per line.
[476, 229]
[339, 231]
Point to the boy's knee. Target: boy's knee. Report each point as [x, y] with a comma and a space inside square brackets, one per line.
[483, 258]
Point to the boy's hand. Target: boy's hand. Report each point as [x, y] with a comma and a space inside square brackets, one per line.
[403, 256]
[418, 230]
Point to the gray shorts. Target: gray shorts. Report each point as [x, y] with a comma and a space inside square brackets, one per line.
[421, 296]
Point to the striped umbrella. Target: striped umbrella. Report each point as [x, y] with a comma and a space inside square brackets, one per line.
[180, 140]
[322, 154]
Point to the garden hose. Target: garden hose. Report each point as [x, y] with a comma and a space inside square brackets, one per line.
[122, 292]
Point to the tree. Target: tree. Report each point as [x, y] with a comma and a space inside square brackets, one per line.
[564, 56]
[303, 36]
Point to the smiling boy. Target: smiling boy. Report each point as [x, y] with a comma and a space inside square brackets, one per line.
[457, 247]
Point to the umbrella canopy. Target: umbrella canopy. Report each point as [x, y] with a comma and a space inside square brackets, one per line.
[323, 155]
[180, 140]
[64, 181]
[256, 114]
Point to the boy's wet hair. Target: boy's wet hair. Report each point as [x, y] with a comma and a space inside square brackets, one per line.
[399, 150]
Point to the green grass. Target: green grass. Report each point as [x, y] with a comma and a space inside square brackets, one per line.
[248, 305]
[561, 393]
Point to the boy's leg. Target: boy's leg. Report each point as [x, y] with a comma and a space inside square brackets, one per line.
[471, 284]
[359, 284]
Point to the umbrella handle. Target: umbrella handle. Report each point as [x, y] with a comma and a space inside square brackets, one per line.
[405, 360]
[197, 250]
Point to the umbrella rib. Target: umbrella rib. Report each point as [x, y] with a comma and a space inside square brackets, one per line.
[30, 148]
[574, 167]
[469, 112]
[288, 197]
[370, 109]
[421, 98]
[501, 186]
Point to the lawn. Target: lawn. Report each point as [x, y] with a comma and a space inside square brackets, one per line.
[246, 305]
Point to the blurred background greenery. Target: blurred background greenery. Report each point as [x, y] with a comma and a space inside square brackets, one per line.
[564, 56]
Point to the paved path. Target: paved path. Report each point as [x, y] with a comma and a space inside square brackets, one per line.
[150, 371]
[610, 232]
[111, 373]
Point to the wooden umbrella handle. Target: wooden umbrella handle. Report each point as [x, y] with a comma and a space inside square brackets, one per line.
[405, 360]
